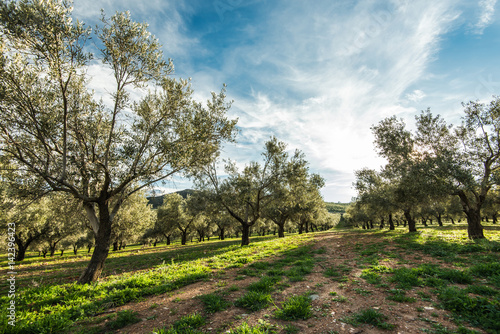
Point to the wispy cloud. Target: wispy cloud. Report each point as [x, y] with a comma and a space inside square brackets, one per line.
[166, 19]
[415, 96]
[486, 16]
[333, 75]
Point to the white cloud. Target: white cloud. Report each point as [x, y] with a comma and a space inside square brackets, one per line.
[486, 16]
[415, 96]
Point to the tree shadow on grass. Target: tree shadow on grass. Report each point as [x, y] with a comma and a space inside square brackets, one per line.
[70, 302]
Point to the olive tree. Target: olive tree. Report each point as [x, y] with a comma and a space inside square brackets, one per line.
[377, 194]
[180, 214]
[411, 170]
[439, 160]
[58, 132]
[467, 157]
[62, 212]
[244, 194]
[135, 216]
[31, 222]
[286, 194]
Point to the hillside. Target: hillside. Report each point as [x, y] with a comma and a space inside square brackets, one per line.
[157, 201]
[336, 207]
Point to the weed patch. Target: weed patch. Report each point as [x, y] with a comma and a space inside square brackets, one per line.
[294, 308]
[254, 300]
[265, 284]
[371, 276]
[124, 318]
[485, 270]
[368, 316]
[399, 296]
[188, 324]
[214, 303]
[479, 311]
[263, 327]
[406, 278]
[482, 290]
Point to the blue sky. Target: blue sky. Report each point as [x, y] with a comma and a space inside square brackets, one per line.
[318, 75]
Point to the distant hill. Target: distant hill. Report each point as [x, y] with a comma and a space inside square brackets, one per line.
[157, 201]
[336, 207]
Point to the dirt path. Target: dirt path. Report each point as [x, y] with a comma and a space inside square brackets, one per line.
[334, 299]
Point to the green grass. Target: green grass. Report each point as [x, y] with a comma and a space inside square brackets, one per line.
[336, 273]
[188, 324]
[399, 296]
[483, 290]
[254, 300]
[331, 272]
[265, 284]
[479, 311]
[370, 317]
[124, 318]
[262, 327]
[338, 298]
[61, 306]
[429, 275]
[295, 308]
[406, 278]
[291, 329]
[214, 303]
[371, 276]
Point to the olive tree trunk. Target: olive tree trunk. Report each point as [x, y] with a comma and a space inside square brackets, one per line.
[101, 249]
[411, 222]
[245, 235]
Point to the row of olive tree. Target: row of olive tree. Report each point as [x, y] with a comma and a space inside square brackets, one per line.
[58, 222]
[280, 190]
[437, 165]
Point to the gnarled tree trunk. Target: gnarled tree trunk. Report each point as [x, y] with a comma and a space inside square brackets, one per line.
[411, 222]
[101, 250]
[245, 236]
[391, 222]
[472, 210]
[474, 226]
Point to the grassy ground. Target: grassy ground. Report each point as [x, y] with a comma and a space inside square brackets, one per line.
[435, 280]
